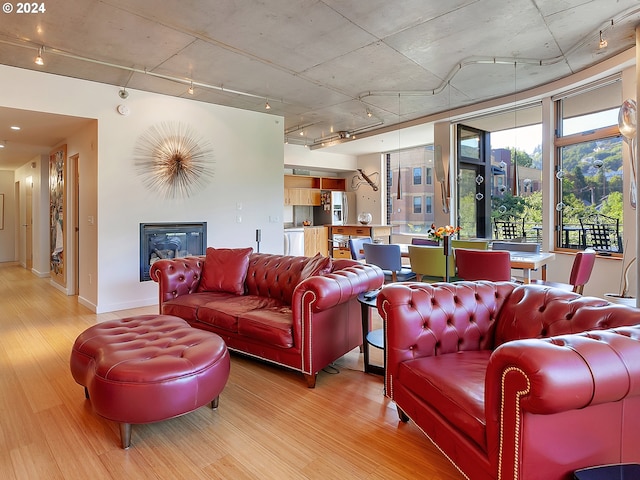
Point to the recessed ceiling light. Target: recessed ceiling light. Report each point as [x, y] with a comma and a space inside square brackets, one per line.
[15, 127]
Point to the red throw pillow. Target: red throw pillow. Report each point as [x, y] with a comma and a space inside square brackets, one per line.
[317, 265]
[225, 270]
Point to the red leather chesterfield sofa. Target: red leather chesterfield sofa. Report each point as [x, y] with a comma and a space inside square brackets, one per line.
[515, 381]
[298, 312]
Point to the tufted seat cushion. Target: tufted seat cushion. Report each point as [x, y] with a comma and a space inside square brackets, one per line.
[148, 368]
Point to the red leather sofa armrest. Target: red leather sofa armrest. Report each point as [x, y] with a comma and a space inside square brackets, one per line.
[565, 372]
[325, 291]
[551, 376]
[175, 277]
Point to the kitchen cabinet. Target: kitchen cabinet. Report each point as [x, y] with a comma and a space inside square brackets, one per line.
[305, 189]
[340, 234]
[301, 196]
[316, 240]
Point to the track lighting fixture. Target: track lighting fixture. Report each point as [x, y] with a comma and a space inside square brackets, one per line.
[190, 91]
[123, 93]
[267, 106]
[603, 42]
[39, 60]
[369, 114]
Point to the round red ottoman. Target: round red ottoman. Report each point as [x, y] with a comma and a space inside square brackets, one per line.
[148, 368]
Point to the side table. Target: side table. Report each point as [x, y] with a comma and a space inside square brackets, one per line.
[375, 337]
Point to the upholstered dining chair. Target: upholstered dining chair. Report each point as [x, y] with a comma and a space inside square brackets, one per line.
[355, 246]
[474, 244]
[580, 273]
[424, 241]
[493, 265]
[389, 259]
[516, 246]
[429, 261]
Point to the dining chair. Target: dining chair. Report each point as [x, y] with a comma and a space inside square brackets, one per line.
[493, 265]
[580, 273]
[516, 246]
[429, 261]
[601, 232]
[356, 247]
[389, 259]
[474, 244]
[424, 241]
[509, 228]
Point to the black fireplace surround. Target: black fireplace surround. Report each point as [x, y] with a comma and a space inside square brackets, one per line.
[170, 240]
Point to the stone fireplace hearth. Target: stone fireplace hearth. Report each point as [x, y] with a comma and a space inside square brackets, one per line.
[170, 240]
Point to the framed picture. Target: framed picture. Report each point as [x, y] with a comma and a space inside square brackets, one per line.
[1, 211]
[57, 194]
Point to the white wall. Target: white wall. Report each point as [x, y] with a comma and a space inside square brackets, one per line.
[368, 200]
[298, 156]
[248, 149]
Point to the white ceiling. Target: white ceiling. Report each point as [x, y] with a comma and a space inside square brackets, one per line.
[322, 64]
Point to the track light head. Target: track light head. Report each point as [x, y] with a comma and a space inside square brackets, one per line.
[39, 60]
[123, 93]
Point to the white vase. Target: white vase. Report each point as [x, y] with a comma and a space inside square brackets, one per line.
[616, 298]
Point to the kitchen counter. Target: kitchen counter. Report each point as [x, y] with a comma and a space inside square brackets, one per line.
[337, 234]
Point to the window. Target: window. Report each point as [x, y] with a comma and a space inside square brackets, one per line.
[589, 170]
[516, 174]
[406, 190]
[417, 204]
[429, 178]
[417, 175]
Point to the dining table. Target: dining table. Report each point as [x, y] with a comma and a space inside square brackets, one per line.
[525, 261]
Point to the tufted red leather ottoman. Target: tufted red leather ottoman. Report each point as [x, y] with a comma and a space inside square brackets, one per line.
[148, 368]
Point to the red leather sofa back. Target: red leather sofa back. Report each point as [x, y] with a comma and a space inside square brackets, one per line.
[551, 314]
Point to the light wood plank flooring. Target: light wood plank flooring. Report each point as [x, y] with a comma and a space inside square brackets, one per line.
[269, 424]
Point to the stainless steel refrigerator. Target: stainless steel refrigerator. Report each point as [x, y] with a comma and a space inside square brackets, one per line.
[336, 208]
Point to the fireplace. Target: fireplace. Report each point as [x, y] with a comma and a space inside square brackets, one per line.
[170, 240]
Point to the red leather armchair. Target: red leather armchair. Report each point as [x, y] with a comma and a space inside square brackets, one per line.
[515, 382]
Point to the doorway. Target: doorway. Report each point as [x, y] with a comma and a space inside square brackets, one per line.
[474, 192]
[28, 223]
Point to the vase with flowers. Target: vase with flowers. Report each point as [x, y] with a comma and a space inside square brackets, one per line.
[438, 233]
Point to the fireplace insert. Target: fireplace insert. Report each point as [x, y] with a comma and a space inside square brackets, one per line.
[170, 240]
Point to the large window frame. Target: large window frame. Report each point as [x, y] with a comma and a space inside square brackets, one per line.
[572, 235]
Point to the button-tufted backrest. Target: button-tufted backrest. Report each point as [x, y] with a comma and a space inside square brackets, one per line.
[445, 318]
[537, 311]
[274, 276]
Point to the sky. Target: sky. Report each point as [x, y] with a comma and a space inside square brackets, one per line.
[528, 138]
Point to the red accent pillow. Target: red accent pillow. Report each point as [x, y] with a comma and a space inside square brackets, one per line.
[317, 265]
[225, 270]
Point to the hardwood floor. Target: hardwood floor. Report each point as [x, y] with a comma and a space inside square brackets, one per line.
[269, 424]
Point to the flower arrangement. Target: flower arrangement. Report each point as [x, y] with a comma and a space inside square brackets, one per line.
[438, 233]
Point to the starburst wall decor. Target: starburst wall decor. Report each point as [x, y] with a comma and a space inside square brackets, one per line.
[172, 160]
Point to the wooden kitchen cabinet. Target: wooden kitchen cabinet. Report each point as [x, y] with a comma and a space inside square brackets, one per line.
[305, 189]
[316, 240]
[301, 196]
